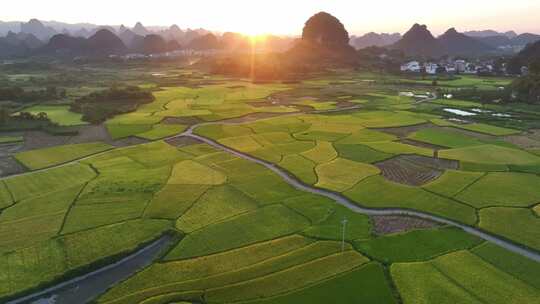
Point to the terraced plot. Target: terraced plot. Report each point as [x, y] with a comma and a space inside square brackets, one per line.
[260, 225]
[341, 174]
[241, 270]
[379, 193]
[343, 289]
[524, 228]
[513, 190]
[445, 138]
[490, 154]
[419, 245]
[43, 158]
[459, 277]
[42, 262]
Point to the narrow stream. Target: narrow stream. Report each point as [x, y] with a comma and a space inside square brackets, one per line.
[88, 287]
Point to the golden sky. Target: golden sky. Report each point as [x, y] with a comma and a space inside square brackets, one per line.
[287, 16]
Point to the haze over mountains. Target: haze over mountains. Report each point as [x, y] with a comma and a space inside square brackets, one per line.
[419, 41]
[40, 37]
[53, 38]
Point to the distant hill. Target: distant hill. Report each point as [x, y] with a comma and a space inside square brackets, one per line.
[325, 41]
[18, 44]
[154, 44]
[102, 43]
[130, 39]
[139, 29]
[454, 43]
[105, 42]
[516, 42]
[206, 42]
[374, 39]
[38, 29]
[525, 39]
[528, 56]
[419, 41]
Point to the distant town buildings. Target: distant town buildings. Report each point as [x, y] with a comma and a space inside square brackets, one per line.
[449, 66]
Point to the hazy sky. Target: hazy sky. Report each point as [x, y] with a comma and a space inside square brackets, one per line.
[287, 16]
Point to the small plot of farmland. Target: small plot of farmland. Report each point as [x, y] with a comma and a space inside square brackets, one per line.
[42, 158]
[414, 170]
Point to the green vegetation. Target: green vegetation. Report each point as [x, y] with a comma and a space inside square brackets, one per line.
[98, 106]
[160, 131]
[215, 205]
[343, 289]
[524, 227]
[379, 193]
[513, 189]
[444, 138]
[60, 115]
[392, 147]
[242, 233]
[11, 139]
[264, 224]
[453, 182]
[48, 157]
[490, 154]
[341, 174]
[418, 245]
[43, 262]
[361, 153]
[39, 183]
[459, 277]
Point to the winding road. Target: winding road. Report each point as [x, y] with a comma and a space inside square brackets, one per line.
[87, 287]
[354, 206]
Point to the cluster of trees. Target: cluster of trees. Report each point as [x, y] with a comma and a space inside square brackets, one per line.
[527, 88]
[484, 96]
[18, 94]
[98, 106]
[6, 117]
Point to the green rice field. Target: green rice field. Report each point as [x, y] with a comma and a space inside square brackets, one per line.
[240, 233]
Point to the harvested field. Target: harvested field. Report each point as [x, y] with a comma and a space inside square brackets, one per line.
[9, 166]
[525, 141]
[414, 170]
[9, 149]
[254, 117]
[129, 141]
[91, 133]
[181, 120]
[420, 144]
[383, 224]
[182, 141]
[406, 130]
[39, 139]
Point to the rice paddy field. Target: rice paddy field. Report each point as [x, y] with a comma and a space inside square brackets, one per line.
[243, 234]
